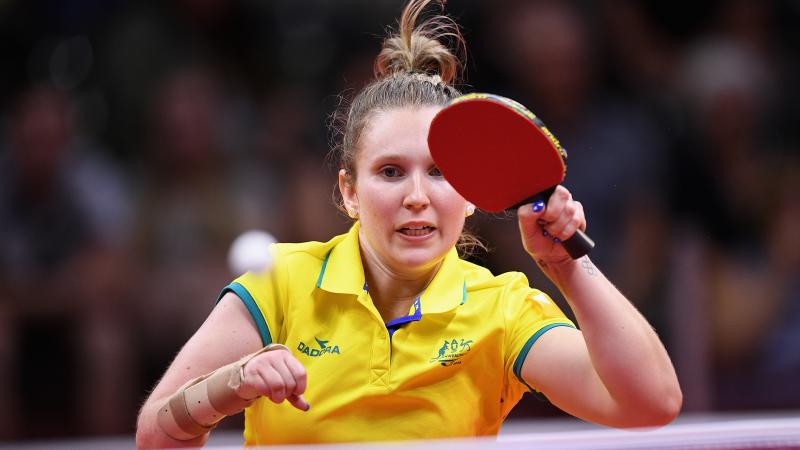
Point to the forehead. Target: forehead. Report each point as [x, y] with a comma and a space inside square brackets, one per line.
[397, 131]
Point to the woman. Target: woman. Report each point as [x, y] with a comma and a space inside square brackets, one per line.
[384, 330]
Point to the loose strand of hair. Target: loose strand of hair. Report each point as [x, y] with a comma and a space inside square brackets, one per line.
[400, 54]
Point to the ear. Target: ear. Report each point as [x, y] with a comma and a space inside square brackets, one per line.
[348, 191]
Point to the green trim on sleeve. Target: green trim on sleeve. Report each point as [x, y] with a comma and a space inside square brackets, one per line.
[244, 294]
[523, 354]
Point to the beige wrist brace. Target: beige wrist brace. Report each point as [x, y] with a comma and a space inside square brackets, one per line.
[200, 404]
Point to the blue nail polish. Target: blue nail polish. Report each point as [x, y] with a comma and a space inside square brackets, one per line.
[544, 232]
[556, 240]
[538, 206]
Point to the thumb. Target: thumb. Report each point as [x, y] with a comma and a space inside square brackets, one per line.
[530, 214]
[537, 209]
[530, 228]
[299, 402]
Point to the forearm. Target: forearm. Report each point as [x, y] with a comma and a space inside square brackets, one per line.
[149, 435]
[185, 417]
[626, 353]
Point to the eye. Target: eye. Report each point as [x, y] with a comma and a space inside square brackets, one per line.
[390, 172]
[435, 172]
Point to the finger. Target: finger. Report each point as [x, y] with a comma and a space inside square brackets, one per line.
[555, 205]
[538, 244]
[287, 381]
[299, 373]
[534, 209]
[253, 385]
[561, 226]
[571, 227]
[258, 382]
[528, 214]
[288, 377]
[274, 382]
[299, 402]
[530, 231]
[580, 215]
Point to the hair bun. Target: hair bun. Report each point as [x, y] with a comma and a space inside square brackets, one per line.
[418, 49]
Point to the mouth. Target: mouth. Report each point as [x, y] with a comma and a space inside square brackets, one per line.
[417, 230]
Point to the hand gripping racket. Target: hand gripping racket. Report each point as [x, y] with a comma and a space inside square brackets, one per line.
[498, 155]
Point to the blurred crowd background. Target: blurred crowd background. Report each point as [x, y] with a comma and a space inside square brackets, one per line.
[139, 138]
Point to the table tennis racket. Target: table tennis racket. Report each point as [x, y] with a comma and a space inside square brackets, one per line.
[498, 155]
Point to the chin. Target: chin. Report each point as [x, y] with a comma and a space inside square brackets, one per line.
[418, 258]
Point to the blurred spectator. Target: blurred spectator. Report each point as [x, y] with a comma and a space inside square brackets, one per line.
[184, 219]
[640, 57]
[757, 314]
[62, 231]
[292, 142]
[202, 187]
[777, 361]
[728, 85]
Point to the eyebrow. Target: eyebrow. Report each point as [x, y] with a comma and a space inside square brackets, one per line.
[391, 157]
[395, 157]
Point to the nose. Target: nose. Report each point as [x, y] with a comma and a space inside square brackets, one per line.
[417, 195]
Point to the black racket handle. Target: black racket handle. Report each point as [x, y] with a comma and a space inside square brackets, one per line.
[578, 245]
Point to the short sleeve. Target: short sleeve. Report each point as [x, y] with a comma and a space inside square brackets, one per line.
[529, 313]
[261, 294]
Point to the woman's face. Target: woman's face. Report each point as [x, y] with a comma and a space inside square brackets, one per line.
[410, 216]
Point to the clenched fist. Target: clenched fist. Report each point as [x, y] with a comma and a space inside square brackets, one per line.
[277, 375]
[544, 227]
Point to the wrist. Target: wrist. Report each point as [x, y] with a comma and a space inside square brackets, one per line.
[238, 385]
[200, 404]
[565, 272]
[555, 267]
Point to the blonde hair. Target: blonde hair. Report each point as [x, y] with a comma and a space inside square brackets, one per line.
[413, 68]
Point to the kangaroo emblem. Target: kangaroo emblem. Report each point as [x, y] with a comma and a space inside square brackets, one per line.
[443, 349]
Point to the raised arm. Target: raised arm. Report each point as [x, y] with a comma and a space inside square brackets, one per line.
[614, 371]
[228, 334]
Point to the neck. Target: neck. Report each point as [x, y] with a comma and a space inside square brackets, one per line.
[392, 291]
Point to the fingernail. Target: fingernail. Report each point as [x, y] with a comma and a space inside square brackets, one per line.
[538, 206]
[308, 406]
[541, 222]
[544, 232]
[556, 240]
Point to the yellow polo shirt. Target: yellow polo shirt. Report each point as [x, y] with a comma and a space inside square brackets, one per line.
[451, 368]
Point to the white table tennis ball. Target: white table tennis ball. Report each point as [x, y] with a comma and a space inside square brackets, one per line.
[250, 252]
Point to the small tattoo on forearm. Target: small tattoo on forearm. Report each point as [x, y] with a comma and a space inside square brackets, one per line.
[586, 264]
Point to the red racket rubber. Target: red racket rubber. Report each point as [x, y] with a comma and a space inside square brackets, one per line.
[498, 155]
